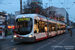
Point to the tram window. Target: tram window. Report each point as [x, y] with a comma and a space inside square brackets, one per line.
[36, 29]
[40, 26]
[53, 28]
[45, 28]
[61, 27]
[35, 21]
[64, 28]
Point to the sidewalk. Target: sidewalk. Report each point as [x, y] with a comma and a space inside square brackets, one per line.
[8, 37]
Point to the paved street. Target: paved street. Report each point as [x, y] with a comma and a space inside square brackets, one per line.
[60, 42]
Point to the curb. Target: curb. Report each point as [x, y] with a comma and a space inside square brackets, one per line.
[2, 39]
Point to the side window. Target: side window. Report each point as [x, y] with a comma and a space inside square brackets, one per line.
[59, 27]
[36, 30]
[40, 26]
[62, 27]
[56, 27]
[53, 28]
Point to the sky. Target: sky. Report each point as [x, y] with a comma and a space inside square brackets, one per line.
[10, 6]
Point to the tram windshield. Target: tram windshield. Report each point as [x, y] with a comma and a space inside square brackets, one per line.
[24, 26]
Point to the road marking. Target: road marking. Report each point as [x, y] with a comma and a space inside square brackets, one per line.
[60, 42]
[46, 44]
[7, 47]
[49, 43]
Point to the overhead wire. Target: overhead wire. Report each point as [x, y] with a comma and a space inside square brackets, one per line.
[9, 3]
[72, 5]
[62, 3]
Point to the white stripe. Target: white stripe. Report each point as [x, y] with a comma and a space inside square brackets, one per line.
[48, 43]
[7, 47]
[61, 42]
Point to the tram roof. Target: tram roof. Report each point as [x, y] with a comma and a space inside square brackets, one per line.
[35, 16]
[29, 15]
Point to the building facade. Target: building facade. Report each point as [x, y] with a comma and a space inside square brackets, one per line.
[11, 19]
[59, 14]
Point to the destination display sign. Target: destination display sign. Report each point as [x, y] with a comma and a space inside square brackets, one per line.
[24, 19]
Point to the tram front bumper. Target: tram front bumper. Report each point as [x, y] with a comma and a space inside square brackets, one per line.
[24, 39]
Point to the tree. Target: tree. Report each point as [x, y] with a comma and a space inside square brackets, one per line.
[32, 8]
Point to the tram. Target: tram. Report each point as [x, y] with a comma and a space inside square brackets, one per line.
[35, 27]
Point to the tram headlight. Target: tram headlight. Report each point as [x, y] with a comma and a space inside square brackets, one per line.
[30, 35]
[15, 36]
